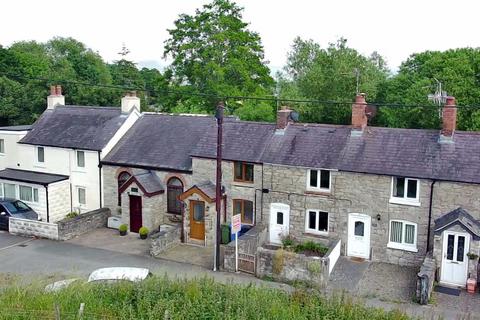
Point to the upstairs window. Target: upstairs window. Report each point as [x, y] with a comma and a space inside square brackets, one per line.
[245, 209]
[405, 190]
[40, 155]
[243, 172]
[2, 146]
[316, 222]
[318, 180]
[403, 235]
[81, 159]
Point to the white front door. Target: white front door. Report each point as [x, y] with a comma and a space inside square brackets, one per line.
[279, 221]
[359, 235]
[454, 259]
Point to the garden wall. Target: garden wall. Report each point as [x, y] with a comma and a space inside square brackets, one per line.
[168, 237]
[69, 228]
[426, 279]
[32, 228]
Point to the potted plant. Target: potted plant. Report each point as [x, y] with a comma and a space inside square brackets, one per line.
[143, 233]
[123, 229]
[472, 256]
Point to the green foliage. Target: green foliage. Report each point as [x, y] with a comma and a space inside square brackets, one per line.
[277, 261]
[123, 228]
[314, 267]
[311, 247]
[288, 241]
[181, 299]
[143, 231]
[213, 52]
[72, 215]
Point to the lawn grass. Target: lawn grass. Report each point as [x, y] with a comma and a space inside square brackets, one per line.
[161, 298]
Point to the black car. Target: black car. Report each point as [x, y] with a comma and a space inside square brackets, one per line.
[14, 208]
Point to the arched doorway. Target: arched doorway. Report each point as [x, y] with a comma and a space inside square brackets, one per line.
[174, 189]
[122, 178]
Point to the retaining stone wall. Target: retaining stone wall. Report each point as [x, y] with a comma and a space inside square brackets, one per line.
[164, 240]
[426, 279]
[32, 228]
[70, 228]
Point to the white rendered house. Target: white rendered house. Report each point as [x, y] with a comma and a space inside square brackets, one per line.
[54, 165]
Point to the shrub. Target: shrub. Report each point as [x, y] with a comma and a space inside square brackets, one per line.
[72, 215]
[287, 241]
[143, 231]
[311, 247]
[123, 228]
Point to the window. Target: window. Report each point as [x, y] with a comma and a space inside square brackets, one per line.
[359, 229]
[405, 190]
[28, 194]
[403, 235]
[122, 178]
[40, 155]
[318, 180]
[9, 191]
[245, 208]
[1, 190]
[280, 218]
[316, 222]
[174, 189]
[82, 197]
[243, 172]
[81, 159]
[2, 146]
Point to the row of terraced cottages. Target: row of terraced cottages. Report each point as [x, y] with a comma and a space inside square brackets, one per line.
[389, 194]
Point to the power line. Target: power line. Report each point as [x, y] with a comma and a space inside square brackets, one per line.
[225, 97]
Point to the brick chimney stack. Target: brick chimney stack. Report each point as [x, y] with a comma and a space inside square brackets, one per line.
[130, 101]
[55, 98]
[283, 118]
[359, 115]
[449, 119]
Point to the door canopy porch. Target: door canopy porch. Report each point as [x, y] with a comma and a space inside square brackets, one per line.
[458, 217]
[205, 190]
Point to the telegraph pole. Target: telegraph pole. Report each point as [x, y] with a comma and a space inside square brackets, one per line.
[218, 184]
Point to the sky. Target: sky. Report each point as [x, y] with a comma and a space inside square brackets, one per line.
[395, 29]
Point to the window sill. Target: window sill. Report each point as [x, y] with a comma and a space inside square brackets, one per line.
[79, 170]
[243, 184]
[2, 154]
[414, 203]
[319, 192]
[39, 165]
[317, 234]
[398, 246]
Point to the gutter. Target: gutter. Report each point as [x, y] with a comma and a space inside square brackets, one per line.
[430, 214]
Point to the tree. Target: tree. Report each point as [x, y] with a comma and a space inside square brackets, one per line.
[459, 72]
[330, 74]
[214, 53]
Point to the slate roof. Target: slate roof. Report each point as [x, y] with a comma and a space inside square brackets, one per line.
[78, 127]
[460, 217]
[31, 176]
[242, 141]
[16, 128]
[150, 182]
[160, 141]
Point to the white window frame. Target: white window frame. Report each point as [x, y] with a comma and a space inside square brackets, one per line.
[76, 159]
[36, 155]
[78, 196]
[34, 192]
[405, 200]
[2, 146]
[1, 189]
[317, 221]
[318, 188]
[403, 245]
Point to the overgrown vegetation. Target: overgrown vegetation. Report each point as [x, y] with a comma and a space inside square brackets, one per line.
[72, 215]
[310, 248]
[160, 298]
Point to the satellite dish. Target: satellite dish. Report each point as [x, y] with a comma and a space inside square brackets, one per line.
[294, 116]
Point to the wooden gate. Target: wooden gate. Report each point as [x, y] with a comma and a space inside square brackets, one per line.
[246, 262]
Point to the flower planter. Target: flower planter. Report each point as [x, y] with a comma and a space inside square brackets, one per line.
[123, 233]
[143, 236]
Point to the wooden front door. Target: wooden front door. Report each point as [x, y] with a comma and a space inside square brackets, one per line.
[135, 213]
[197, 220]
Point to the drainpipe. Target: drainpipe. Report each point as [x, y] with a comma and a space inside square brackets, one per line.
[430, 214]
[218, 191]
[100, 178]
[48, 207]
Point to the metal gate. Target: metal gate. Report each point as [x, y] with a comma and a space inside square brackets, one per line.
[246, 262]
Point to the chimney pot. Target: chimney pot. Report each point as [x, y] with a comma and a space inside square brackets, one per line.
[53, 90]
[359, 116]
[55, 98]
[283, 117]
[58, 90]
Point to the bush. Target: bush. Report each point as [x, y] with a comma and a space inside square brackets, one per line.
[143, 231]
[310, 247]
[72, 215]
[288, 241]
[123, 228]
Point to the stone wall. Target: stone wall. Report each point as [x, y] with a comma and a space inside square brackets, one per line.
[70, 228]
[205, 170]
[32, 228]
[426, 279]
[286, 266]
[366, 194]
[168, 237]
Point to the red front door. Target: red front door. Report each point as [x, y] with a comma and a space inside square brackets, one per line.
[135, 213]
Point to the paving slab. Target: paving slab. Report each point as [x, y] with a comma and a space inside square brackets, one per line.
[192, 254]
[346, 274]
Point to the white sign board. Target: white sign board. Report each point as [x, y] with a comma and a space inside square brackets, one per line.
[236, 223]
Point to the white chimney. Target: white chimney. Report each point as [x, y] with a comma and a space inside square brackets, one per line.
[130, 101]
[55, 98]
